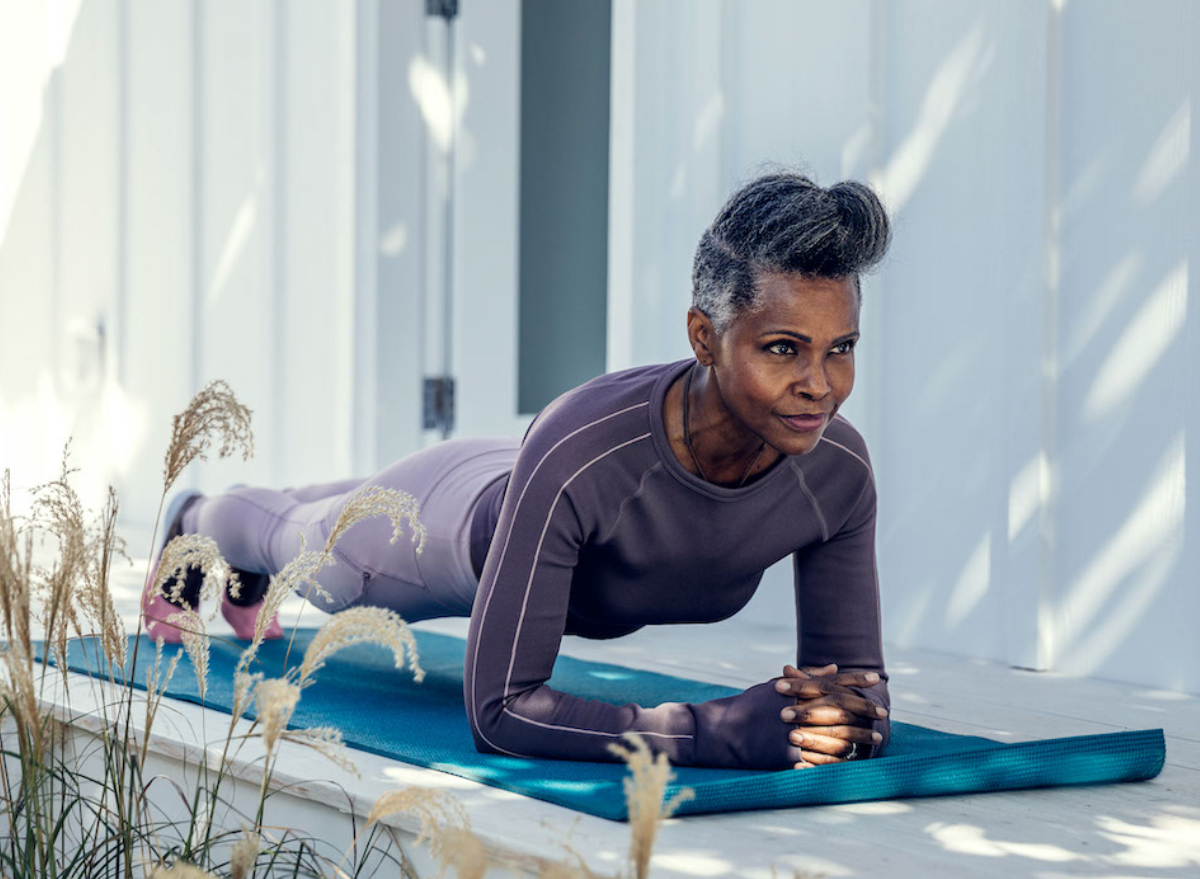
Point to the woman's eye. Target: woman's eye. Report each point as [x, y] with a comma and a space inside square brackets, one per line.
[780, 348]
[844, 348]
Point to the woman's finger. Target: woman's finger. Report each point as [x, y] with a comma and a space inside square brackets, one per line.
[816, 758]
[846, 679]
[837, 741]
[842, 709]
[821, 715]
[790, 671]
[815, 688]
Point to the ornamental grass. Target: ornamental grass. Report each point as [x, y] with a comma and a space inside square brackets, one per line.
[77, 798]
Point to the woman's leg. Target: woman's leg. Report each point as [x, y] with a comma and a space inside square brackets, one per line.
[261, 530]
[447, 480]
[254, 585]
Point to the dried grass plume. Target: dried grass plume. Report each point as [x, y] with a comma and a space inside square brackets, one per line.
[195, 551]
[462, 850]
[244, 855]
[275, 699]
[326, 741]
[95, 596]
[180, 870]
[361, 625]
[375, 500]
[644, 788]
[195, 642]
[438, 812]
[213, 415]
[299, 576]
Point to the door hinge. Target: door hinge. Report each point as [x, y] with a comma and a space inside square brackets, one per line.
[439, 403]
[447, 9]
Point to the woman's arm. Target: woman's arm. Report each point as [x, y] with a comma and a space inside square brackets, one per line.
[517, 624]
[837, 615]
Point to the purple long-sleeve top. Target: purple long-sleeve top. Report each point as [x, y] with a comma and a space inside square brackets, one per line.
[600, 531]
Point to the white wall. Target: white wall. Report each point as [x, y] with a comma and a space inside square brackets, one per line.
[181, 199]
[1129, 413]
[962, 420]
[1025, 378]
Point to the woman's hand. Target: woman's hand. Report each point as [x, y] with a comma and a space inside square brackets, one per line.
[830, 719]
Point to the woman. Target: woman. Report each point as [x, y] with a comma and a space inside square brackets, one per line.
[654, 495]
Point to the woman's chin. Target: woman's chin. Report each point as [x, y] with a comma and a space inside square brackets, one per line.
[798, 446]
[810, 446]
[800, 440]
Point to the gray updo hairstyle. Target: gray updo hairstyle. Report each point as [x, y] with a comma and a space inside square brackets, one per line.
[783, 222]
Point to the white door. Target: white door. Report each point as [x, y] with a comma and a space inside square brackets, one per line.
[528, 209]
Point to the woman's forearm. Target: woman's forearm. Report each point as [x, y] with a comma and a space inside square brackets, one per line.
[742, 731]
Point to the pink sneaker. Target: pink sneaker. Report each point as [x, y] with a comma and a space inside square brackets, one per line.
[155, 610]
[155, 606]
[244, 617]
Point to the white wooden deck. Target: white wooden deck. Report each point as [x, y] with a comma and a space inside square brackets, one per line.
[1147, 829]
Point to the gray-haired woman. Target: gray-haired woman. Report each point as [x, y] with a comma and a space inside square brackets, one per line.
[653, 495]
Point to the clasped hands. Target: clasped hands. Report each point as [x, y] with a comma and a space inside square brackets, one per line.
[830, 719]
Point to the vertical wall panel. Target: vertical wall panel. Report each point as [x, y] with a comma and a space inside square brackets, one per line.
[798, 80]
[1128, 375]
[318, 319]
[235, 304]
[157, 328]
[488, 95]
[30, 437]
[85, 204]
[672, 175]
[961, 411]
[396, 240]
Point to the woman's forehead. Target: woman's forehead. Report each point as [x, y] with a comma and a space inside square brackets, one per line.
[827, 306]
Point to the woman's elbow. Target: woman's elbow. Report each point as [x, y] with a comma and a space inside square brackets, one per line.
[488, 729]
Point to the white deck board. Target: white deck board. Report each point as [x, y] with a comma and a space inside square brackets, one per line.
[1141, 829]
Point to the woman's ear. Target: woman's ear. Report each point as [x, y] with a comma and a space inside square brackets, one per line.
[701, 335]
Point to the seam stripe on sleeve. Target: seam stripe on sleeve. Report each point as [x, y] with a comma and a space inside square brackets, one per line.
[816, 507]
[850, 452]
[512, 658]
[500, 563]
[593, 732]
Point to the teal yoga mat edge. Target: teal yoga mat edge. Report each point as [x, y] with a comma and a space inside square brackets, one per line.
[1128, 755]
[1062, 762]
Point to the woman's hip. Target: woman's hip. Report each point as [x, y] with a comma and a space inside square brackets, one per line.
[445, 480]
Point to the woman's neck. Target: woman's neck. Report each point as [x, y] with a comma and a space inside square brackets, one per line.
[715, 445]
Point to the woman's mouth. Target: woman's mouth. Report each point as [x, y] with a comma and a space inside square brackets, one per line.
[803, 423]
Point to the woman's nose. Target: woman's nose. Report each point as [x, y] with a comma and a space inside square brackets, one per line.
[812, 381]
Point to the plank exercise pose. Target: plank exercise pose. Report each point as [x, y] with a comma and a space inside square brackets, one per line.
[654, 495]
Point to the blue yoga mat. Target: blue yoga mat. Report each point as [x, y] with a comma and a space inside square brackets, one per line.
[382, 710]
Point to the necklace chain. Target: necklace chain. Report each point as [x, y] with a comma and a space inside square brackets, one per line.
[687, 435]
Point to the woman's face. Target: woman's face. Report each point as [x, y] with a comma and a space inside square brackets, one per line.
[785, 368]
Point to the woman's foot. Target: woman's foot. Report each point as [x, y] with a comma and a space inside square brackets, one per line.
[156, 607]
[243, 619]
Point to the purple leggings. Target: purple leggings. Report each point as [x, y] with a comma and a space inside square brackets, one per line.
[259, 530]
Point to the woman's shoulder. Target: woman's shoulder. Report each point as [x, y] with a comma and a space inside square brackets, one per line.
[838, 471]
[608, 419]
[844, 446]
[617, 401]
